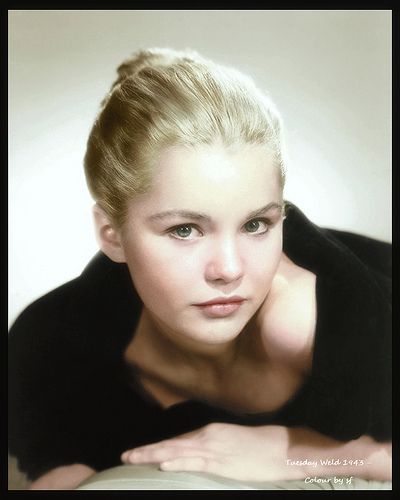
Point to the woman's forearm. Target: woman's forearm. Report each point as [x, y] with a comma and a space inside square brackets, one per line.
[66, 477]
[319, 455]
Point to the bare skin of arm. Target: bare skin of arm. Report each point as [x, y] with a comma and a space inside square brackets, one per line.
[66, 477]
[266, 453]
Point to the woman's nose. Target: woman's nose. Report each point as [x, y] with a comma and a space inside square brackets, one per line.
[224, 262]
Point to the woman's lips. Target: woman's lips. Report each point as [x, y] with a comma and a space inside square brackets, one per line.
[220, 308]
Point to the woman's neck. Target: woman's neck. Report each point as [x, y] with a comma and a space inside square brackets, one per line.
[158, 354]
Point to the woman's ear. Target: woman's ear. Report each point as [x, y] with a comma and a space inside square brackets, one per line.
[108, 238]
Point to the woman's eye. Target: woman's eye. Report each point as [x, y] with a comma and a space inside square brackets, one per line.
[256, 226]
[184, 232]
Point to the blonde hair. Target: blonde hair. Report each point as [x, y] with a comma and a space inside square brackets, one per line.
[163, 98]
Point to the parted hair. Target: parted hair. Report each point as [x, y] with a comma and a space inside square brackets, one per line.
[163, 98]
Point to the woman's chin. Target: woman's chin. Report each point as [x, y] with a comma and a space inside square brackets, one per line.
[220, 332]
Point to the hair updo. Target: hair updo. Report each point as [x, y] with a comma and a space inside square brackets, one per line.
[163, 98]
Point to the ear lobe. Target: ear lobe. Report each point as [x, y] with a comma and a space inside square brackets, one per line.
[108, 238]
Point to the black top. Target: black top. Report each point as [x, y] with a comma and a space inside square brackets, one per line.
[72, 400]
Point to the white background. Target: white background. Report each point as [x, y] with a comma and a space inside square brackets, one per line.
[329, 73]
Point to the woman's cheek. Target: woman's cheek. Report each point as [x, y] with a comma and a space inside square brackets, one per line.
[263, 256]
[161, 278]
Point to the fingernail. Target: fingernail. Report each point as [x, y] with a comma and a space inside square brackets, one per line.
[132, 456]
[165, 465]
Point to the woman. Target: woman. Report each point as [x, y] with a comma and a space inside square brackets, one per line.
[218, 330]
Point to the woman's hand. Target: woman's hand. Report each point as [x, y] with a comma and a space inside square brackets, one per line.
[235, 451]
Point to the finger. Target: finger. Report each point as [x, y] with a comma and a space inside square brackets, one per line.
[171, 441]
[157, 454]
[142, 450]
[189, 439]
[193, 464]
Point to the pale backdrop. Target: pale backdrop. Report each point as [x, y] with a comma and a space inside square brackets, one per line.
[329, 72]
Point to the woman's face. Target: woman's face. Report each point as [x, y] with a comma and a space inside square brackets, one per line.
[210, 229]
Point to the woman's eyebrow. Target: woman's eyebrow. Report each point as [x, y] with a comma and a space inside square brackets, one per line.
[263, 210]
[187, 214]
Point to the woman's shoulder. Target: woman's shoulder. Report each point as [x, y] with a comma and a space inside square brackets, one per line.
[288, 315]
[93, 302]
[325, 249]
[374, 253]
[50, 307]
